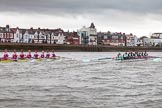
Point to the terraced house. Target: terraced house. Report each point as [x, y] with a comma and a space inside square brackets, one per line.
[18, 35]
[83, 36]
[114, 39]
[6, 34]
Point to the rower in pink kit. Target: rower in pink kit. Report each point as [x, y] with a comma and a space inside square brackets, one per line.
[36, 55]
[42, 55]
[14, 55]
[22, 55]
[47, 54]
[29, 55]
[5, 55]
[53, 54]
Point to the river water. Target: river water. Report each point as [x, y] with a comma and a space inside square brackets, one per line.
[72, 82]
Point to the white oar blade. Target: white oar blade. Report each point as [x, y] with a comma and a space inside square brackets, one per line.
[157, 60]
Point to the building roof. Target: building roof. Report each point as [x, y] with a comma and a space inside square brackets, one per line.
[92, 25]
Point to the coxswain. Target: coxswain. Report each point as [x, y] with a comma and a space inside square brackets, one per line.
[5, 55]
[53, 54]
[14, 55]
[119, 56]
[22, 55]
[36, 55]
[42, 55]
[47, 54]
[29, 56]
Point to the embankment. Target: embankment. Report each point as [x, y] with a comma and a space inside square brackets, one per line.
[74, 48]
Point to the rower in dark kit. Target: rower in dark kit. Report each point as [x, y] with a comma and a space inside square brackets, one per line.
[145, 54]
[125, 56]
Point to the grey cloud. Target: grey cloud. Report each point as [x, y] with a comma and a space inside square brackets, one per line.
[80, 6]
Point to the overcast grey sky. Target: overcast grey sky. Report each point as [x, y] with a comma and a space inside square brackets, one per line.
[140, 17]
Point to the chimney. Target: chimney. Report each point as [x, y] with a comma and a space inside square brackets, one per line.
[7, 28]
[92, 25]
[31, 28]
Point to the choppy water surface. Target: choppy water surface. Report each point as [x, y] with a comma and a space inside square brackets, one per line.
[73, 83]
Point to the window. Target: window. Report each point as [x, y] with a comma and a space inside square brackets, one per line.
[105, 37]
[116, 41]
[55, 40]
[4, 35]
[114, 37]
[121, 37]
[42, 37]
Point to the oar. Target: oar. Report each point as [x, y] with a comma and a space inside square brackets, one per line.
[156, 57]
[104, 58]
[66, 58]
[96, 59]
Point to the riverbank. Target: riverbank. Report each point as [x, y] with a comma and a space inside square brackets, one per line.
[74, 48]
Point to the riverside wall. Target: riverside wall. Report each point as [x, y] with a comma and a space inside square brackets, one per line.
[72, 48]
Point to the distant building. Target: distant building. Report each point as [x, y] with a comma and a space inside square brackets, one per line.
[152, 41]
[59, 38]
[6, 34]
[114, 39]
[72, 38]
[131, 40]
[141, 41]
[156, 35]
[88, 35]
[16, 35]
[29, 38]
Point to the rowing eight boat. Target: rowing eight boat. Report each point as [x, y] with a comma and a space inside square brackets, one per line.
[30, 60]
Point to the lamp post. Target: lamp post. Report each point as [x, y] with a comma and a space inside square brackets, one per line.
[125, 39]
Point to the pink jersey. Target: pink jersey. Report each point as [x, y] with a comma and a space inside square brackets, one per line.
[14, 56]
[29, 56]
[5, 56]
[22, 55]
[42, 56]
[47, 55]
[53, 55]
[36, 56]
